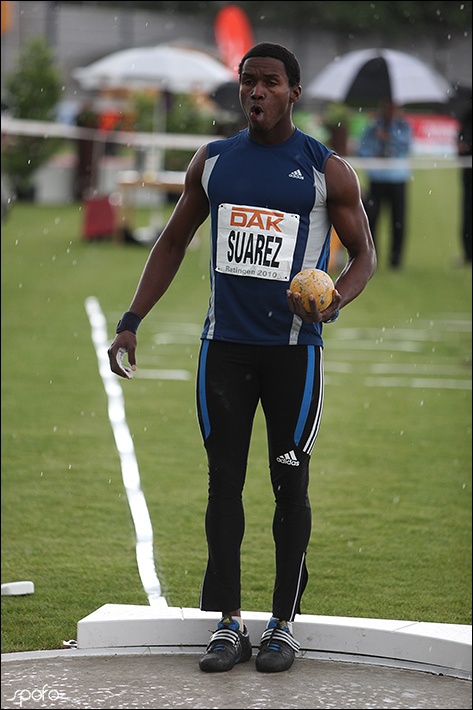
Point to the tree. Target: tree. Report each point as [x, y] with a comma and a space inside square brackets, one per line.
[33, 91]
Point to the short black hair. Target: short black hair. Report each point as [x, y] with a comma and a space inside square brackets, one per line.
[276, 51]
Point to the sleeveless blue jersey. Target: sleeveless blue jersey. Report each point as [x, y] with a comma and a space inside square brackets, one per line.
[268, 221]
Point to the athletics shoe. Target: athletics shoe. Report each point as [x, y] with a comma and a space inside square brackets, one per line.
[227, 646]
[278, 648]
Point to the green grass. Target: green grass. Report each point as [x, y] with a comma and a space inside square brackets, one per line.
[391, 471]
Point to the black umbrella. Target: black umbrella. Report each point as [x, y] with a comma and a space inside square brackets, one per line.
[373, 75]
[227, 97]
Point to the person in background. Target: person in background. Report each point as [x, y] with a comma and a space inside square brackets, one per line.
[464, 150]
[273, 194]
[85, 179]
[389, 135]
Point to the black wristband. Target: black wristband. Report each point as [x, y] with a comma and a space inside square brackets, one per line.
[128, 321]
[334, 316]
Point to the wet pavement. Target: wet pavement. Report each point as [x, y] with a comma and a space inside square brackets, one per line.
[148, 679]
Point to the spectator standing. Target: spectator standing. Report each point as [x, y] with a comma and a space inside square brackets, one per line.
[464, 150]
[388, 136]
[86, 170]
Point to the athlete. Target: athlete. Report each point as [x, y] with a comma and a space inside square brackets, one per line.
[273, 194]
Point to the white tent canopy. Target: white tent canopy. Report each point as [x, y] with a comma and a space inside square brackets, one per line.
[164, 67]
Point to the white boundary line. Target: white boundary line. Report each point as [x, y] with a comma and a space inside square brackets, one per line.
[129, 465]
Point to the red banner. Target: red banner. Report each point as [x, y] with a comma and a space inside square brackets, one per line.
[434, 134]
[233, 35]
[6, 16]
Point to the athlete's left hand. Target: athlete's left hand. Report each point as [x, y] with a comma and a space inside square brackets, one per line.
[294, 302]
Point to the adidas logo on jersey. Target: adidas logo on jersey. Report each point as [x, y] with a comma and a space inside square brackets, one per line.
[296, 174]
[289, 459]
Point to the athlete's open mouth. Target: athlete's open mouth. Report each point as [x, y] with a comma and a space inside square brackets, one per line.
[256, 112]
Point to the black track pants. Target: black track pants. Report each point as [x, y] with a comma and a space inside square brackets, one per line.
[232, 380]
[392, 194]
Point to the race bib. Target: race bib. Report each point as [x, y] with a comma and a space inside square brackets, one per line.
[255, 241]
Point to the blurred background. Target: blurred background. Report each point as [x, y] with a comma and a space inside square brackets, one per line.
[50, 51]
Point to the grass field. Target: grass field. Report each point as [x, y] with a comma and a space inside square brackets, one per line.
[390, 475]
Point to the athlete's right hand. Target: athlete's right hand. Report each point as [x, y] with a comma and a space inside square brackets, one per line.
[123, 344]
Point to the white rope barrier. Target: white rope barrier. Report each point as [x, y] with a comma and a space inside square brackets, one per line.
[178, 141]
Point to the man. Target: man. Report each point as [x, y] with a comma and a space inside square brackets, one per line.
[464, 143]
[273, 194]
[388, 136]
